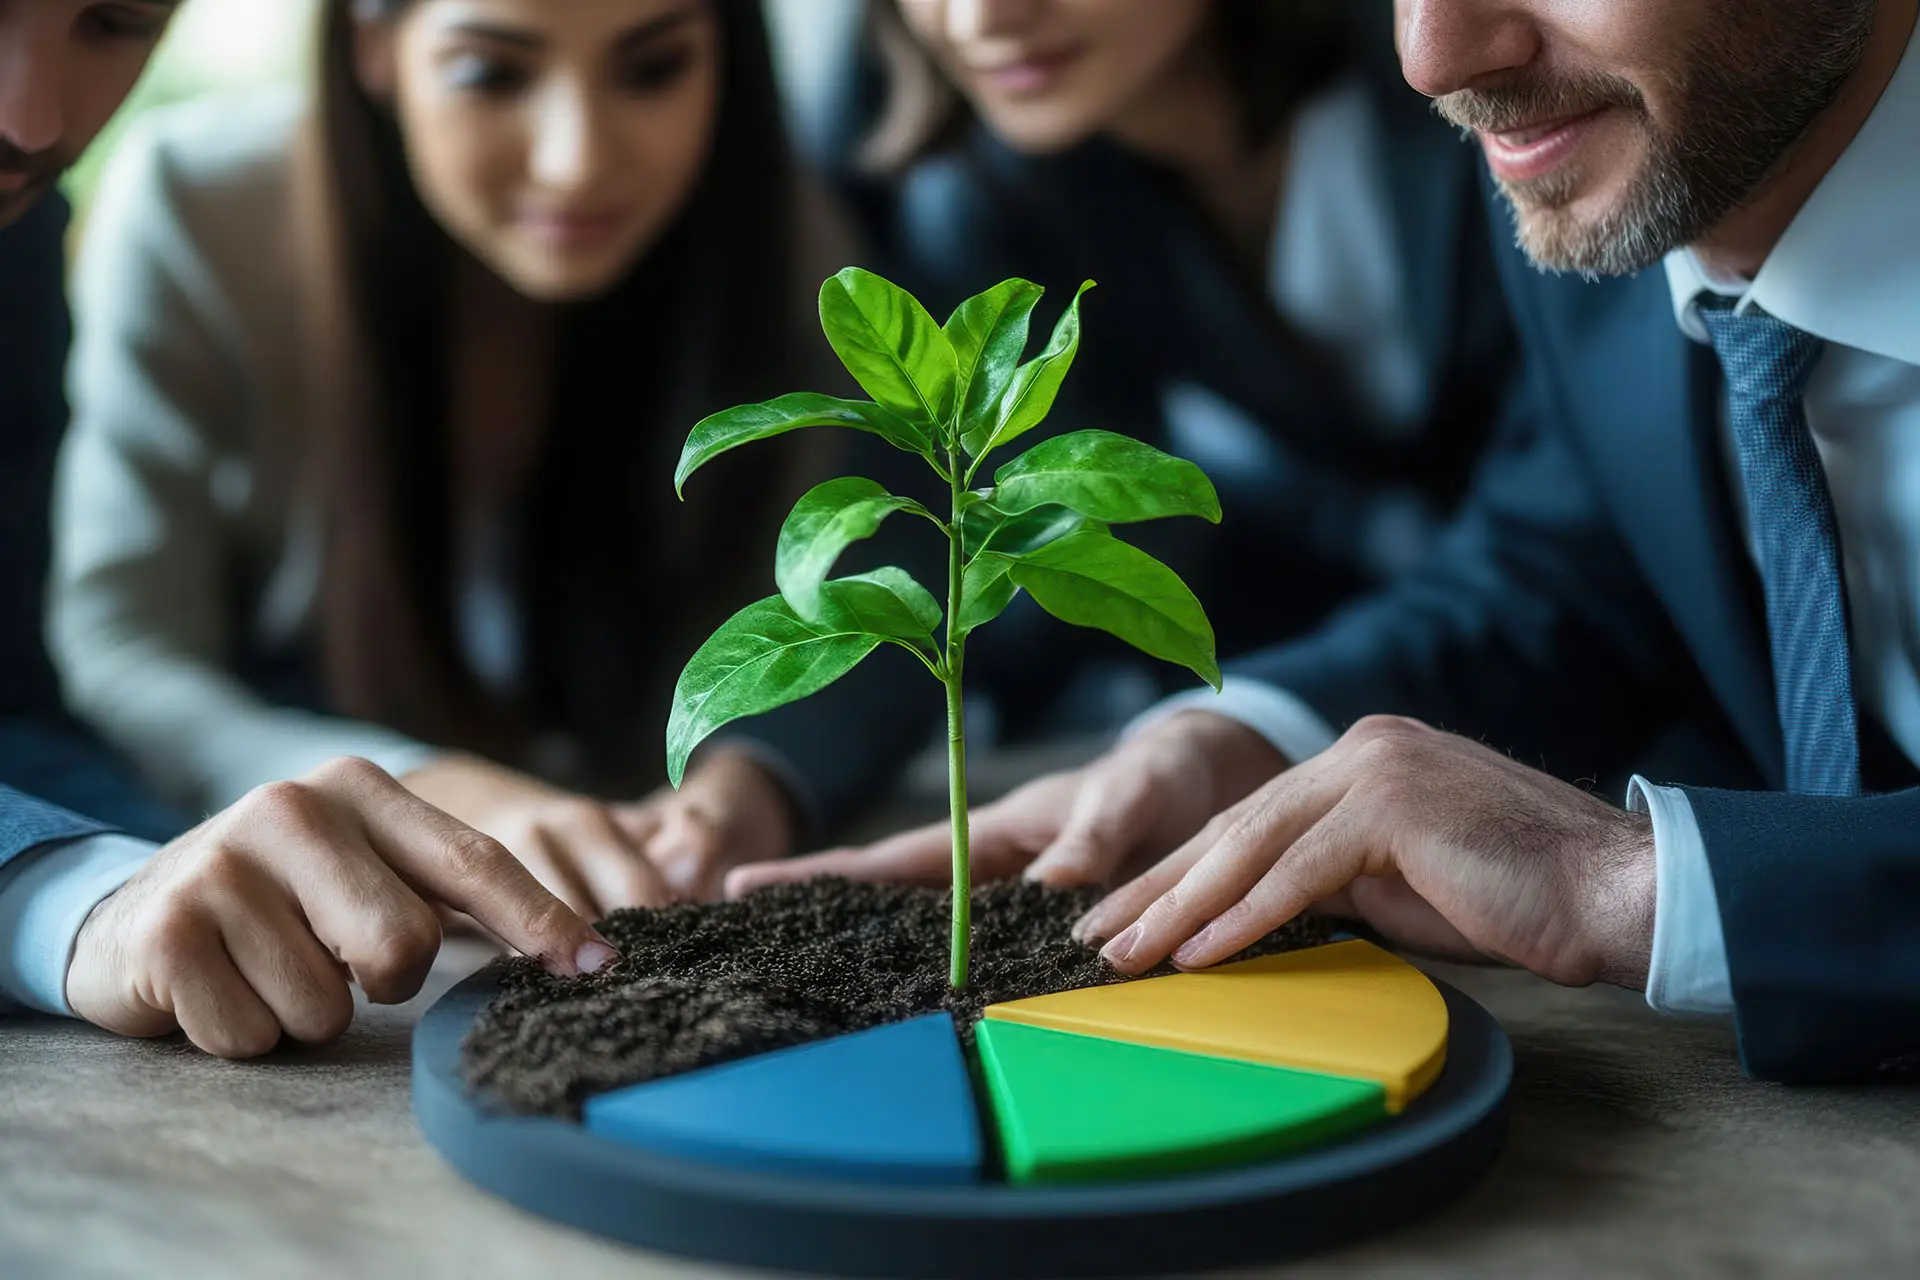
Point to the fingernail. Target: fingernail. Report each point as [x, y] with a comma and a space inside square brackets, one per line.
[1120, 950]
[595, 955]
[1085, 933]
[1193, 948]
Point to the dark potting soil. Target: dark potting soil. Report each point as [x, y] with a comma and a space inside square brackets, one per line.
[701, 984]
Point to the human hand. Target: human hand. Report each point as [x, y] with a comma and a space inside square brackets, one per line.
[1087, 826]
[575, 846]
[248, 928]
[1440, 844]
[598, 857]
[729, 811]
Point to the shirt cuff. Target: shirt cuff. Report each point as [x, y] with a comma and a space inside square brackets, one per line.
[1688, 973]
[1293, 728]
[45, 898]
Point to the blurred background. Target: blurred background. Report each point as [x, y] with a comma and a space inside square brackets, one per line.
[218, 45]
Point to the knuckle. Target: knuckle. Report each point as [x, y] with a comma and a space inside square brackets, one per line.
[551, 921]
[467, 854]
[1394, 744]
[325, 1015]
[351, 772]
[251, 1041]
[397, 954]
[332, 1023]
[173, 942]
[222, 873]
[293, 806]
[1378, 728]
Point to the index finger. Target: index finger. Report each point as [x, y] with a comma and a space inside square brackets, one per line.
[447, 861]
[1224, 862]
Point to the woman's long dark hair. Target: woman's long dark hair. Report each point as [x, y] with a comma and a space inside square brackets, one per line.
[617, 583]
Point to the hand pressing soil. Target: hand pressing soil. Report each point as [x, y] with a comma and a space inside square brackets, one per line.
[702, 984]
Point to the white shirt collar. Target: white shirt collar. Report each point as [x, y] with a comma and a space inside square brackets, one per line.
[1848, 268]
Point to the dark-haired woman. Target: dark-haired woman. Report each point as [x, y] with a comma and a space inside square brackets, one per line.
[377, 395]
[1295, 288]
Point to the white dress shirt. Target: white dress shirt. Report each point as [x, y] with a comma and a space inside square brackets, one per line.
[1847, 271]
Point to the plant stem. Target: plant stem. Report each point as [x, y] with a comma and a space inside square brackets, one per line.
[957, 741]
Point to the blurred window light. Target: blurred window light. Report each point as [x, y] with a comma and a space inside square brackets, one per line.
[213, 45]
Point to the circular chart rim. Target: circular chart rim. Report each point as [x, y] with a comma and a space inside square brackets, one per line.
[1266, 1212]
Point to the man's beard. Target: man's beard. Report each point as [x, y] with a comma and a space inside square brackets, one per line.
[1753, 84]
[41, 169]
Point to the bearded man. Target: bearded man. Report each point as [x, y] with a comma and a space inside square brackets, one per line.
[1707, 506]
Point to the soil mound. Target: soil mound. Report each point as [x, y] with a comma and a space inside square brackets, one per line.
[700, 984]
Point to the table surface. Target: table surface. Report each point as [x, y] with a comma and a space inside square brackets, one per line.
[1637, 1149]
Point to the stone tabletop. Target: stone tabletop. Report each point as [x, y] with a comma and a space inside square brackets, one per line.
[1637, 1149]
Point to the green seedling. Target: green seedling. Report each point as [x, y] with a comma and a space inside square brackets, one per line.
[951, 394]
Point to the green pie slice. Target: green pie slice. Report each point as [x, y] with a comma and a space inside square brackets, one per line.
[1076, 1108]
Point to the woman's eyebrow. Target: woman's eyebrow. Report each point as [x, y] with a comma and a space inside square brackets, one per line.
[654, 28]
[520, 38]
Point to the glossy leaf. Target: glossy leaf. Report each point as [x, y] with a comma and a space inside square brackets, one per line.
[1109, 477]
[989, 335]
[746, 423]
[827, 520]
[1030, 395]
[985, 592]
[766, 655]
[1092, 579]
[886, 602]
[891, 345]
[989, 529]
[763, 657]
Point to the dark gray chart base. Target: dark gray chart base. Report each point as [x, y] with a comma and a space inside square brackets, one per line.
[1255, 1214]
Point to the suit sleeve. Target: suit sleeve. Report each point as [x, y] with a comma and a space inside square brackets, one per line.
[1528, 625]
[1819, 900]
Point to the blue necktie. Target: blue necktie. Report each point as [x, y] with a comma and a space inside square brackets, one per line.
[1768, 364]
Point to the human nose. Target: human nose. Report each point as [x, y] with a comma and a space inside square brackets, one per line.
[32, 73]
[1448, 45]
[983, 19]
[566, 148]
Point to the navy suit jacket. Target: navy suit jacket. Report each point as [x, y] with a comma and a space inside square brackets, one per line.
[43, 751]
[1596, 584]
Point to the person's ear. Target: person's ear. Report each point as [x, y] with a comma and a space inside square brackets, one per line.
[376, 57]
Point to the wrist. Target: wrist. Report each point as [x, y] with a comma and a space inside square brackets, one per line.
[1625, 902]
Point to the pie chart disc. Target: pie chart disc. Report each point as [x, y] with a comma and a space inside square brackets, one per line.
[1351, 1187]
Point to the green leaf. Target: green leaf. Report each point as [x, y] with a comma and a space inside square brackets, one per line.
[827, 520]
[1029, 397]
[993, 541]
[994, 530]
[886, 602]
[763, 657]
[1109, 477]
[891, 345]
[989, 335]
[985, 592]
[746, 423]
[1092, 579]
